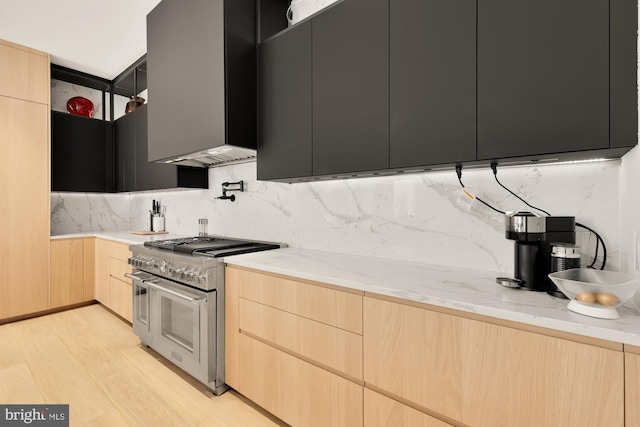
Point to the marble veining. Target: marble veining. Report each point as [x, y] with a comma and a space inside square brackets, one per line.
[410, 217]
[83, 212]
[464, 289]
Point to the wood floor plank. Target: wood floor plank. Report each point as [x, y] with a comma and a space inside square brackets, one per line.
[115, 332]
[125, 385]
[60, 378]
[111, 419]
[17, 385]
[10, 355]
[93, 346]
[182, 390]
[233, 413]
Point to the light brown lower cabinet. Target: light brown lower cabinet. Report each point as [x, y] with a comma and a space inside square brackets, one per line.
[632, 388]
[422, 367]
[72, 267]
[112, 288]
[298, 392]
[380, 411]
[486, 375]
[297, 352]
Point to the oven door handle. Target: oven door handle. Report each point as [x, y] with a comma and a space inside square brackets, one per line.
[134, 276]
[153, 283]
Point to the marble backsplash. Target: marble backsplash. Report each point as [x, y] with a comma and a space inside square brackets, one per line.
[82, 212]
[414, 217]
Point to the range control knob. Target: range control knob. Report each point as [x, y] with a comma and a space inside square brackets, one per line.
[202, 279]
[190, 275]
[148, 263]
[178, 272]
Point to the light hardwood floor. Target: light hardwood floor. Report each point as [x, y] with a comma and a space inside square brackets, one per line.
[90, 359]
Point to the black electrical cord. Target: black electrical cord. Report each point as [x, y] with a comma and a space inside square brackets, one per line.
[599, 240]
[459, 173]
[604, 247]
[494, 168]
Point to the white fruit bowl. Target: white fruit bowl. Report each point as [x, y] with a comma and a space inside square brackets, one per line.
[596, 293]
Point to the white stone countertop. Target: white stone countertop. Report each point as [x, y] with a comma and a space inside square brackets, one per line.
[474, 291]
[121, 236]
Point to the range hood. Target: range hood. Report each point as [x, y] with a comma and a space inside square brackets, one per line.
[225, 155]
[201, 76]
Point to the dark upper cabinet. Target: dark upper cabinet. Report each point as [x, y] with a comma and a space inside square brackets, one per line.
[408, 84]
[284, 150]
[102, 156]
[133, 170]
[543, 77]
[125, 152]
[201, 57]
[79, 152]
[350, 48]
[432, 82]
[150, 175]
[623, 69]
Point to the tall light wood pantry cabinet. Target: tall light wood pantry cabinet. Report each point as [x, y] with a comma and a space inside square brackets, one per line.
[24, 180]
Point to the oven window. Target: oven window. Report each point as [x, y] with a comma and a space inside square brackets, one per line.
[178, 322]
[141, 302]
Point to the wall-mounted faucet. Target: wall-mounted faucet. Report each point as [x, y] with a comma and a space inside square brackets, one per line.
[238, 186]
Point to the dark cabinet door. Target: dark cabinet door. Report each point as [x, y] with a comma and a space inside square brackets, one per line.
[78, 153]
[623, 68]
[284, 149]
[351, 87]
[133, 170]
[125, 153]
[149, 175]
[543, 76]
[433, 82]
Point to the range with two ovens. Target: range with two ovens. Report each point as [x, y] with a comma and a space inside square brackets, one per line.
[178, 301]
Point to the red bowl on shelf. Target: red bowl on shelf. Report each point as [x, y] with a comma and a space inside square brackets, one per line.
[80, 106]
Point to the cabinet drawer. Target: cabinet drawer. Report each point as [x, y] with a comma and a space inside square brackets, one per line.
[380, 411]
[120, 251]
[486, 375]
[330, 346]
[296, 391]
[118, 269]
[325, 305]
[121, 298]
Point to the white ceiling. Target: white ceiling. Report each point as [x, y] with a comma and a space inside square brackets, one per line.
[99, 37]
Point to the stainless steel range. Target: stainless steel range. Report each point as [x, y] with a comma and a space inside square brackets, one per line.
[178, 301]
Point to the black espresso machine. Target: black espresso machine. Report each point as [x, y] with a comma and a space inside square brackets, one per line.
[533, 238]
